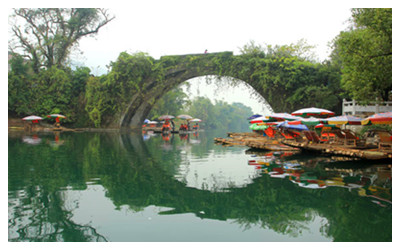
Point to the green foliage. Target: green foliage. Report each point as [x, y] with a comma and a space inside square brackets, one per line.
[376, 127]
[47, 35]
[365, 54]
[221, 114]
[173, 102]
[281, 75]
[50, 91]
[287, 76]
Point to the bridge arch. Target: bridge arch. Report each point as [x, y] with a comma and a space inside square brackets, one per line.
[184, 68]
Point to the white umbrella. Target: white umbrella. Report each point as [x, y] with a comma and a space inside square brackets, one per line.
[306, 112]
[32, 118]
[195, 120]
[184, 117]
[166, 117]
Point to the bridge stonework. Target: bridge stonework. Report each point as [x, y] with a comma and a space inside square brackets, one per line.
[179, 70]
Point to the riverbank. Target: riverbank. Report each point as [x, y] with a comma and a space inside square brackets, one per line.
[15, 124]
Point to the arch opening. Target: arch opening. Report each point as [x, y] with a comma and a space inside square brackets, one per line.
[223, 90]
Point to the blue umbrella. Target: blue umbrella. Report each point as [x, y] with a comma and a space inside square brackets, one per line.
[254, 116]
[285, 124]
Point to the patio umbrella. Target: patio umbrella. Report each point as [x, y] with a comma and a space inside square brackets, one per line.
[312, 121]
[286, 124]
[268, 123]
[254, 116]
[166, 117]
[326, 126]
[282, 117]
[261, 119]
[306, 112]
[195, 120]
[32, 118]
[57, 116]
[146, 121]
[379, 118]
[343, 120]
[255, 126]
[184, 117]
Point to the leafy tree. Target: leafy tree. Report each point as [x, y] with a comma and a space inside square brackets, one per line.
[47, 35]
[18, 86]
[221, 114]
[289, 77]
[174, 102]
[365, 54]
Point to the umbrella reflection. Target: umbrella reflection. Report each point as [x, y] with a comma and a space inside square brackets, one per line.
[33, 140]
[375, 186]
[57, 141]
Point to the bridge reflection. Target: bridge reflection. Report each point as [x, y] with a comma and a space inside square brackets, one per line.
[138, 174]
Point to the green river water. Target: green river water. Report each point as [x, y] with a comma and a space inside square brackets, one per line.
[127, 187]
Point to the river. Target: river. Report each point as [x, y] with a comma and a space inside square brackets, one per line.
[127, 187]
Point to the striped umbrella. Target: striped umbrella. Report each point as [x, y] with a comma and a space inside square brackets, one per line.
[307, 112]
[259, 120]
[379, 118]
[343, 120]
[282, 117]
[57, 116]
[312, 121]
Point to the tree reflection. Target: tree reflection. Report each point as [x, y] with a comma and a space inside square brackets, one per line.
[141, 173]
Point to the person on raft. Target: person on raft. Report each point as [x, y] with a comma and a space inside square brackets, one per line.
[166, 126]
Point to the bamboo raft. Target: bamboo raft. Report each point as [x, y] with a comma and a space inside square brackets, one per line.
[334, 149]
[258, 141]
[253, 140]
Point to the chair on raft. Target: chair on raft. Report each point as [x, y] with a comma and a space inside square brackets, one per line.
[385, 140]
[312, 136]
[290, 135]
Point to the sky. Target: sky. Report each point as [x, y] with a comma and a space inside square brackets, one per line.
[177, 27]
[186, 27]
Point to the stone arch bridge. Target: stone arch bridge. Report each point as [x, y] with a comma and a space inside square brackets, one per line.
[179, 69]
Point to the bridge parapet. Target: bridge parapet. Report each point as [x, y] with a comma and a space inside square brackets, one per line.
[353, 108]
[230, 53]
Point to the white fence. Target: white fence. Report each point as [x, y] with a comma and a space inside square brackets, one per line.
[352, 108]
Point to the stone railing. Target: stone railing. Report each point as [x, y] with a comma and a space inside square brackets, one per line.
[352, 108]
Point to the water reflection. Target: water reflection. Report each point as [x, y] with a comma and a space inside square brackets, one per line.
[123, 172]
[374, 182]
